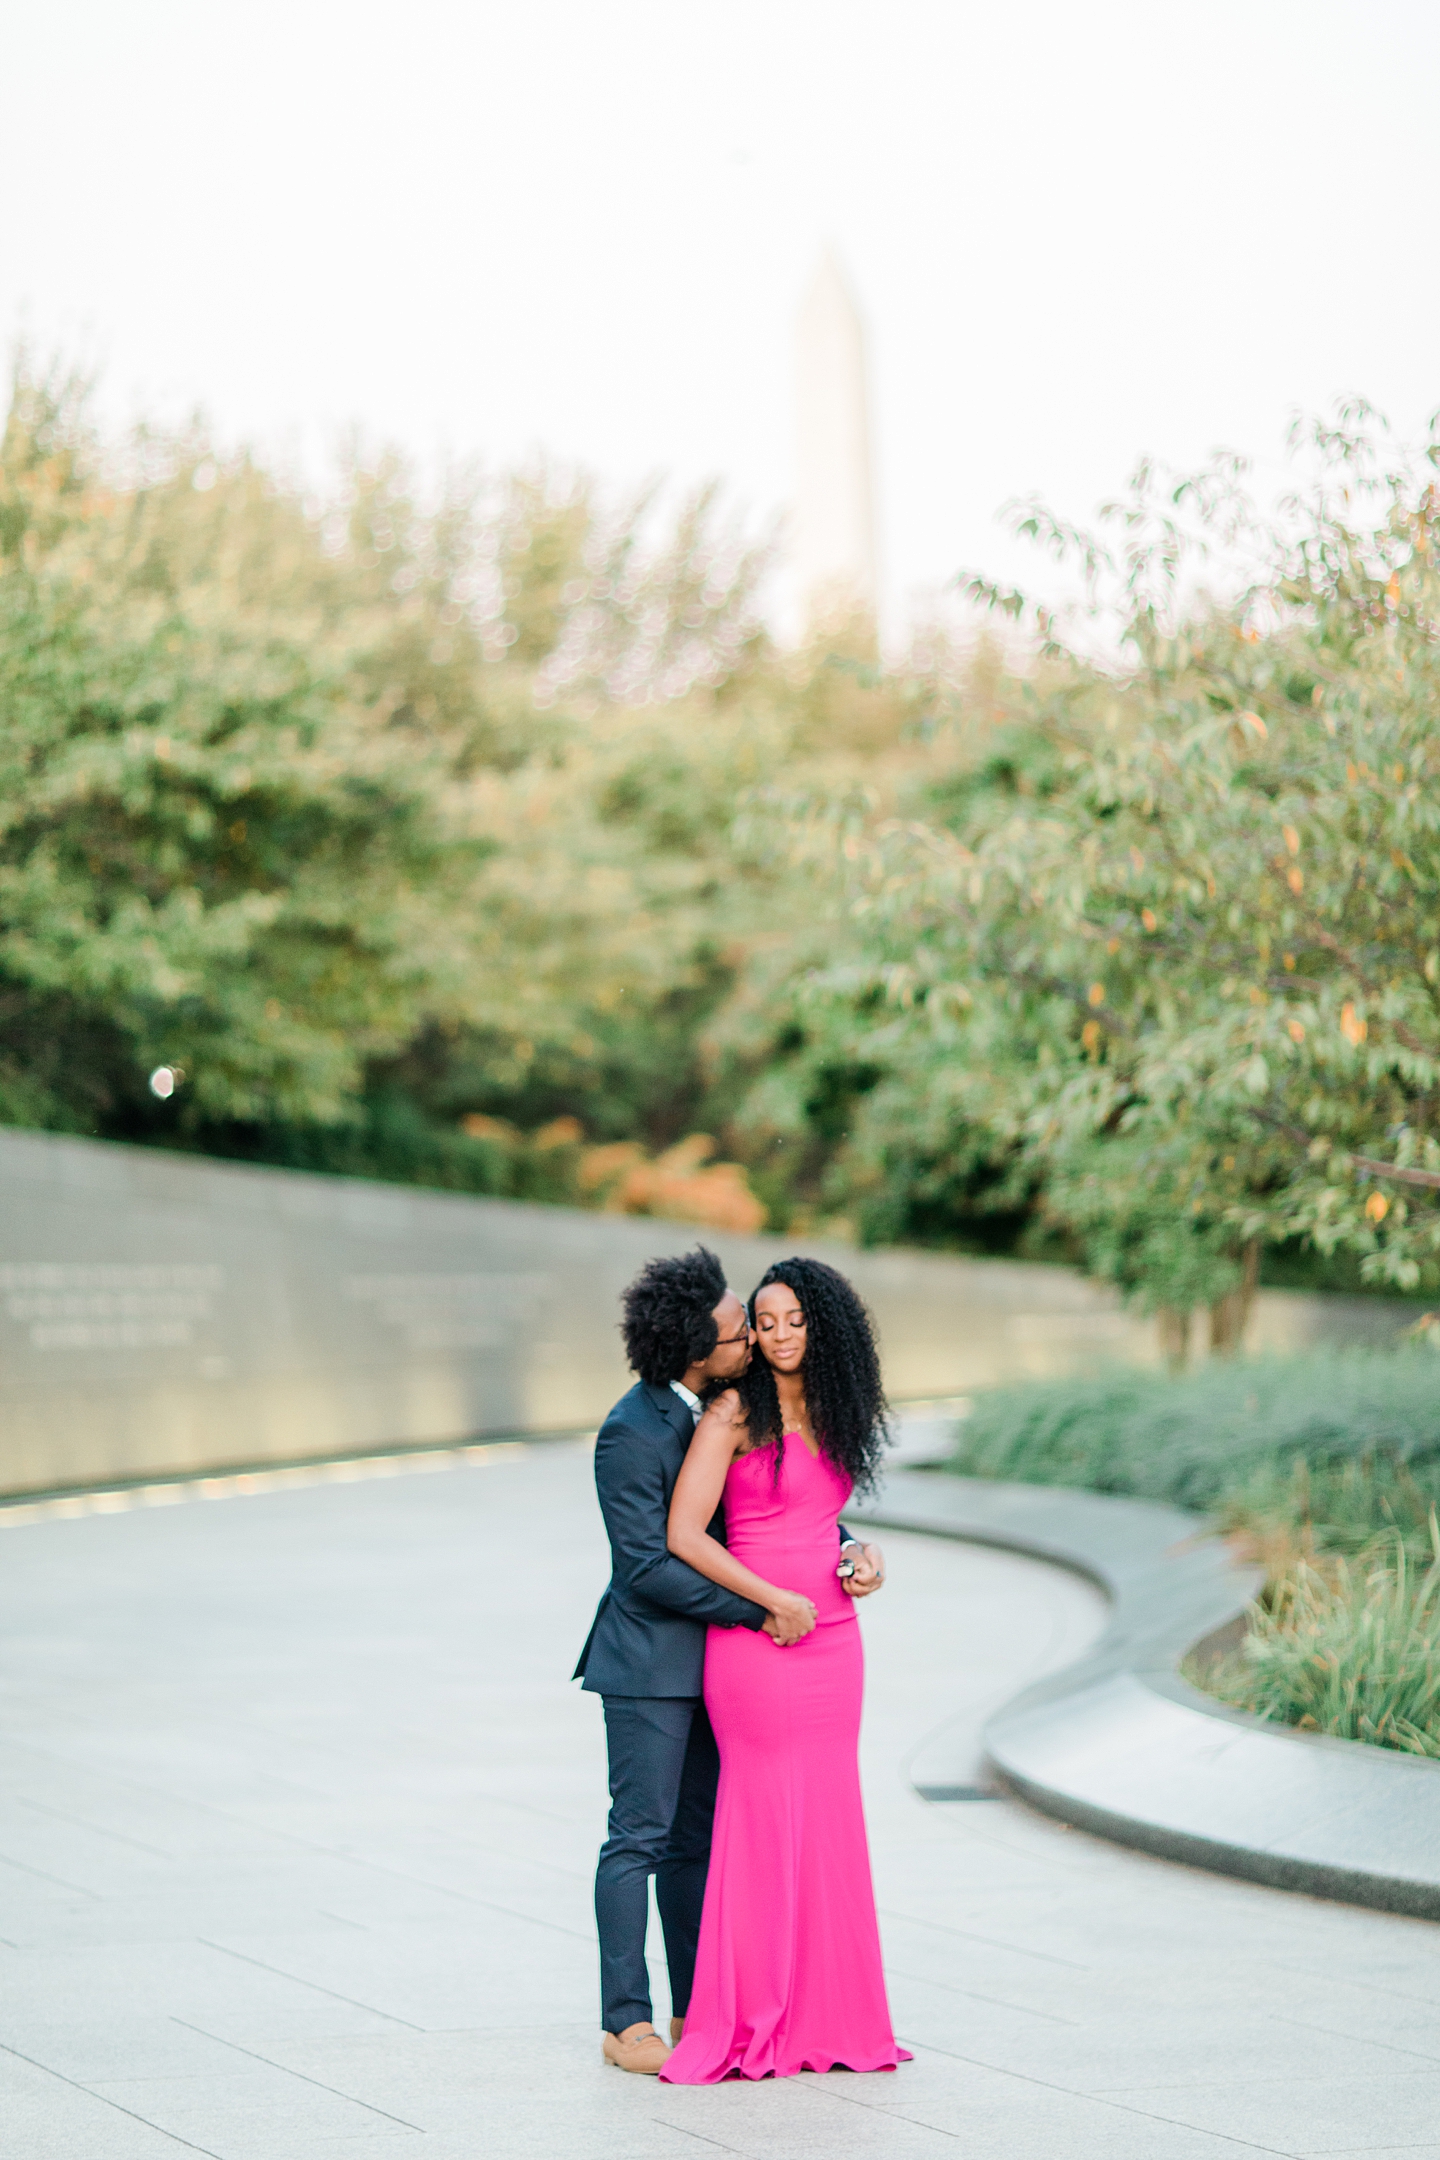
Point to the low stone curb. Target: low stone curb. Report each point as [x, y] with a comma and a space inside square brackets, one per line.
[1119, 1744]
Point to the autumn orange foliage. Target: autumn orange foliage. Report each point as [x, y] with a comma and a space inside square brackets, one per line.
[682, 1183]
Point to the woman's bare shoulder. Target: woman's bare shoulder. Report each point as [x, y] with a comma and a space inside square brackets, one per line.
[725, 1415]
[733, 1420]
[728, 1408]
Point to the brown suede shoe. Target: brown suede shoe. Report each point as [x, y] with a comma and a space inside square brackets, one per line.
[677, 2031]
[639, 2048]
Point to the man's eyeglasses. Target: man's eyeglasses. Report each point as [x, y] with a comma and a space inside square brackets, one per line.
[723, 1340]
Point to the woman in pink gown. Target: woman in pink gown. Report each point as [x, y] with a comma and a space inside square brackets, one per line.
[788, 1975]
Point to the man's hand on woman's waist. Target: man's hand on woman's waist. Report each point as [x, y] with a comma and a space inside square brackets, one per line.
[867, 1564]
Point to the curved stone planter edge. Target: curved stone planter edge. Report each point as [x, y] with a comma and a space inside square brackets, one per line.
[1119, 1744]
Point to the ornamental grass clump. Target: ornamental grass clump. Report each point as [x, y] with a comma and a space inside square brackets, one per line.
[1350, 1648]
[1297, 1509]
[1317, 1453]
[1325, 1467]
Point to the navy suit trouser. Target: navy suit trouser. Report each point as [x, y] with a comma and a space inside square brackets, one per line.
[664, 1767]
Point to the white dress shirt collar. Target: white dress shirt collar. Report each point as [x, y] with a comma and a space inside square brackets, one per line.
[692, 1402]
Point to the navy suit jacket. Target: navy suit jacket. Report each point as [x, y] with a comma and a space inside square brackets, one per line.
[649, 1633]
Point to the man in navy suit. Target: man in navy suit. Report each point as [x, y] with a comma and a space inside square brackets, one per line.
[645, 1655]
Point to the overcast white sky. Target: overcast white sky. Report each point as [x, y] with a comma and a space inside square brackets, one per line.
[1079, 232]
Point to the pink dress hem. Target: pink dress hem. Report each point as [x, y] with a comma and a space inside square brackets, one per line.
[705, 2075]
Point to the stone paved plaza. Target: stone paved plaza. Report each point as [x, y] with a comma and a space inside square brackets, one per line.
[297, 1820]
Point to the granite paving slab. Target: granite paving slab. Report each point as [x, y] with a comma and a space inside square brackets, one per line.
[317, 1810]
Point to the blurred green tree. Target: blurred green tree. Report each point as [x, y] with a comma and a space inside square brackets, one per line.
[335, 806]
[1174, 954]
[214, 851]
[451, 831]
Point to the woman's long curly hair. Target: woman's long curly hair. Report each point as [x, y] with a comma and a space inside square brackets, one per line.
[844, 1393]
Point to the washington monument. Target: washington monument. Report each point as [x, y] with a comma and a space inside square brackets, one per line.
[834, 528]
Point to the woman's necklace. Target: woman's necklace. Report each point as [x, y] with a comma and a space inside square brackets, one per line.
[795, 1416]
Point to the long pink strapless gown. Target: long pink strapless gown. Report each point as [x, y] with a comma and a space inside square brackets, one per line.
[788, 1975]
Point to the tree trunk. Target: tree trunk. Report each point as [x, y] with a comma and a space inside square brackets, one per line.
[1174, 1325]
[1230, 1315]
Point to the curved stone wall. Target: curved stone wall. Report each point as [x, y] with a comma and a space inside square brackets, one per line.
[163, 1314]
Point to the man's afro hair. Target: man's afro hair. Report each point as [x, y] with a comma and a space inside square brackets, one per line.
[669, 1315]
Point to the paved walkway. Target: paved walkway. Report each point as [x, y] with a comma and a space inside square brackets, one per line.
[298, 1813]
